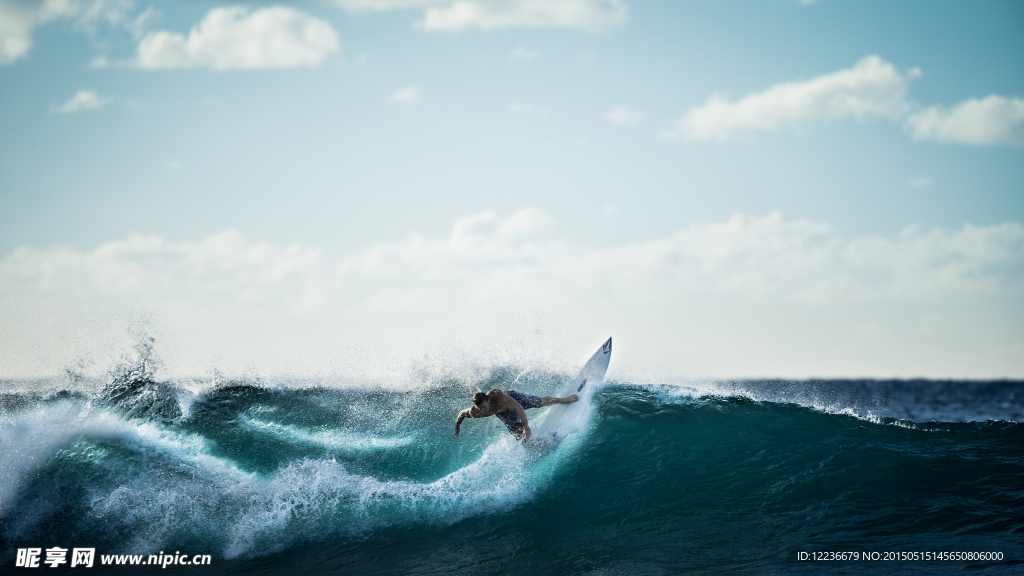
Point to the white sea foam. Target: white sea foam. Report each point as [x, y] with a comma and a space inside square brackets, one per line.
[29, 438]
[329, 438]
[181, 490]
[309, 496]
[313, 498]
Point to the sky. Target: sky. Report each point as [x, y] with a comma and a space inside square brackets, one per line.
[374, 188]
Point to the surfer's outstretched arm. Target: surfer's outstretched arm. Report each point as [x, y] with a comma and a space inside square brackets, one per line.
[458, 421]
[511, 403]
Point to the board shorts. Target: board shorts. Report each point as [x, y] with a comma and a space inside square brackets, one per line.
[510, 418]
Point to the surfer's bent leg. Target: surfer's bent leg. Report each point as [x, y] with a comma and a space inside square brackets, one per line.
[549, 400]
[527, 401]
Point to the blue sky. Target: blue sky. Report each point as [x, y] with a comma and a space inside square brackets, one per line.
[346, 127]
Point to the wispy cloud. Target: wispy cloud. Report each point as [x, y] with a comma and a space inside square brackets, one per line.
[587, 15]
[380, 5]
[456, 15]
[82, 100]
[492, 279]
[988, 121]
[746, 255]
[408, 95]
[18, 20]
[625, 116]
[517, 108]
[233, 38]
[872, 87]
[521, 54]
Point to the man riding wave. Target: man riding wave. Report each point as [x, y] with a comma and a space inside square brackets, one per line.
[509, 406]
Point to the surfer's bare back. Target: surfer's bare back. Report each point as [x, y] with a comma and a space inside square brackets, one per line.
[509, 406]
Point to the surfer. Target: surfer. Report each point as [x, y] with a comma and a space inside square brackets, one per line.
[509, 406]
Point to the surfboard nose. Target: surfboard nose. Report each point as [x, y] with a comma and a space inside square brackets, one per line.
[607, 346]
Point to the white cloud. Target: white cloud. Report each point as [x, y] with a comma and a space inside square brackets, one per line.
[872, 87]
[625, 116]
[17, 22]
[380, 5]
[139, 25]
[232, 38]
[82, 100]
[408, 95]
[20, 18]
[992, 120]
[588, 15]
[454, 15]
[521, 54]
[763, 294]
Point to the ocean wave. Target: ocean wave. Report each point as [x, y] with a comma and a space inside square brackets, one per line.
[249, 470]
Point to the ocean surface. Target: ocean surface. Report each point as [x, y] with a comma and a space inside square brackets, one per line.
[709, 477]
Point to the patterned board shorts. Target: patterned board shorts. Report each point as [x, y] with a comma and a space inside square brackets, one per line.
[510, 418]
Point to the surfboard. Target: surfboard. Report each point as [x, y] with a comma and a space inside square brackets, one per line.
[563, 416]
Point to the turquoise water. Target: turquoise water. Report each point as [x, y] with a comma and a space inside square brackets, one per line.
[728, 477]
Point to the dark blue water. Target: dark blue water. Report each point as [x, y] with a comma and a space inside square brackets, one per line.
[712, 478]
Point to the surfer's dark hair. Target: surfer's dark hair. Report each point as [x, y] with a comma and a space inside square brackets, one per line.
[479, 398]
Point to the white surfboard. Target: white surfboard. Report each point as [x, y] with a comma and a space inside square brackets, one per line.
[563, 416]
